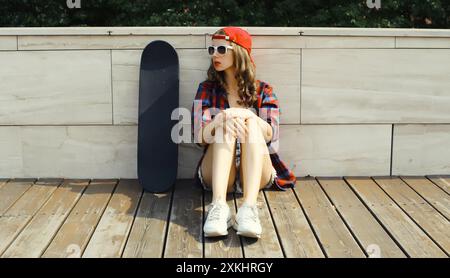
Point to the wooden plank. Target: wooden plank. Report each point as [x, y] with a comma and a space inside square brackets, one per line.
[348, 42]
[39, 232]
[17, 216]
[3, 182]
[34, 102]
[412, 239]
[283, 75]
[335, 238]
[148, 233]
[430, 192]
[273, 42]
[207, 31]
[442, 181]
[185, 233]
[431, 139]
[11, 191]
[73, 236]
[360, 81]
[418, 42]
[296, 236]
[431, 221]
[112, 231]
[374, 239]
[8, 43]
[222, 247]
[105, 42]
[335, 150]
[100, 150]
[369, 32]
[268, 246]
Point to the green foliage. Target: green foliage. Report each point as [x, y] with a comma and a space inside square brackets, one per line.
[300, 13]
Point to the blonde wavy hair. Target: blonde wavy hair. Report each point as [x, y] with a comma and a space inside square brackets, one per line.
[245, 74]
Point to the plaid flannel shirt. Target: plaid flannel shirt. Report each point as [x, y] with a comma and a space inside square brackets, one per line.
[211, 98]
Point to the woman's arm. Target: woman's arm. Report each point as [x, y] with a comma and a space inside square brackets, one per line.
[266, 128]
[207, 133]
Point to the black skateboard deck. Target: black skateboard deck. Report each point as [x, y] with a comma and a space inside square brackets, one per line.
[158, 97]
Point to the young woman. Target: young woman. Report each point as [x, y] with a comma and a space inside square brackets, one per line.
[235, 119]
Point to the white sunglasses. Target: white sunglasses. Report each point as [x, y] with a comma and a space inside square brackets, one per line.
[221, 49]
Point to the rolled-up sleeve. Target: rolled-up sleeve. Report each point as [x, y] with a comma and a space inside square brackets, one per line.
[270, 112]
[200, 112]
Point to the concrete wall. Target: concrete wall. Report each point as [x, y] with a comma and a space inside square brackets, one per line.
[354, 101]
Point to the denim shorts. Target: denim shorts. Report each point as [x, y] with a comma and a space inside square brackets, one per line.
[237, 182]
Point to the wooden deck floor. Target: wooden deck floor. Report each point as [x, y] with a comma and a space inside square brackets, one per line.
[322, 217]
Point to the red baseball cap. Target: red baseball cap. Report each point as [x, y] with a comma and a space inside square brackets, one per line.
[238, 36]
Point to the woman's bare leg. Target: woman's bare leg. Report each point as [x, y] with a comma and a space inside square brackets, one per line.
[256, 166]
[218, 168]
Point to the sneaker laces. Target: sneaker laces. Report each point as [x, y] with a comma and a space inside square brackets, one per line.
[253, 216]
[214, 212]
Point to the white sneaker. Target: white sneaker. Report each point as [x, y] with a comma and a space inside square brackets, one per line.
[247, 222]
[218, 220]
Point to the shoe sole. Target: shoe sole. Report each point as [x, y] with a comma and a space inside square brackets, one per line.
[229, 224]
[246, 234]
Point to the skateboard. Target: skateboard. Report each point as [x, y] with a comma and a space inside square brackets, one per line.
[158, 97]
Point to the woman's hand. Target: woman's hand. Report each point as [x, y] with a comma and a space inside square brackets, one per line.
[233, 122]
[237, 127]
[245, 114]
[219, 119]
[239, 112]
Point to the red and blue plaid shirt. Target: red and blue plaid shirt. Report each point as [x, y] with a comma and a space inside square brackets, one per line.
[211, 98]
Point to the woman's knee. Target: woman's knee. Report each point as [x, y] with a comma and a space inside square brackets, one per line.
[224, 136]
[251, 121]
[254, 134]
